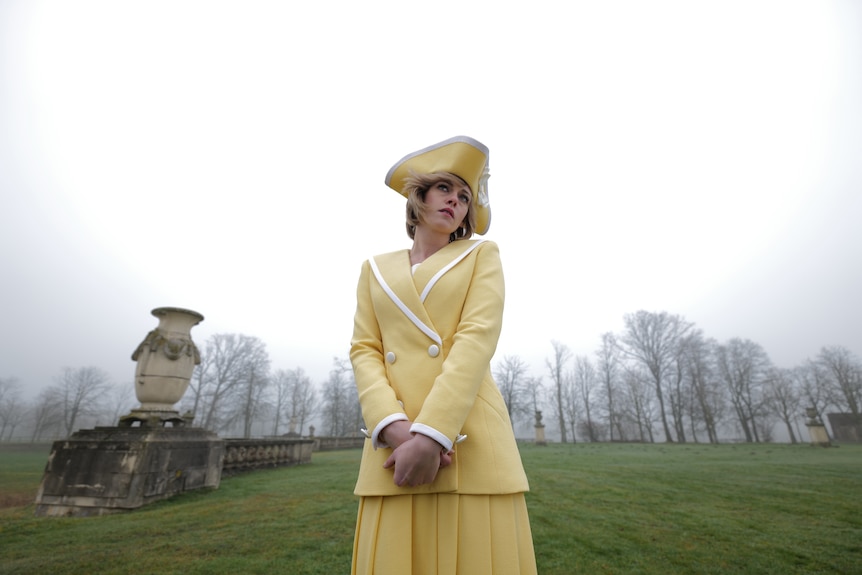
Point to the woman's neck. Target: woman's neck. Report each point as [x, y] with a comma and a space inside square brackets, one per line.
[426, 244]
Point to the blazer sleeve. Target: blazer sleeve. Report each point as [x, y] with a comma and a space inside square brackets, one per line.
[473, 345]
[376, 397]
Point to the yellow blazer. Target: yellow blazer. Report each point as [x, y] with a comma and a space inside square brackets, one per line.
[422, 346]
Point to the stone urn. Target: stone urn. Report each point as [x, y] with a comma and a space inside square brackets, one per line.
[166, 359]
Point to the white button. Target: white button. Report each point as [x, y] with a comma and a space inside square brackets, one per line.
[433, 351]
[390, 357]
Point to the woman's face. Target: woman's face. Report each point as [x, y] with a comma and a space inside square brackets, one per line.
[446, 204]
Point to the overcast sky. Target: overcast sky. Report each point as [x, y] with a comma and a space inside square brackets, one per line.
[700, 158]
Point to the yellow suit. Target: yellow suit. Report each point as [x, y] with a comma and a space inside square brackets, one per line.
[422, 346]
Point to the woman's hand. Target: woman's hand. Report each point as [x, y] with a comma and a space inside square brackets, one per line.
[396, 433]
[417, 460]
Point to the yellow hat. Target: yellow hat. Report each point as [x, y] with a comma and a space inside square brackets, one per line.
[462, 156]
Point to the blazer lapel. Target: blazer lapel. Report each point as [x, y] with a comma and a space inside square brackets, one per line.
[393, 274]
[441, 262]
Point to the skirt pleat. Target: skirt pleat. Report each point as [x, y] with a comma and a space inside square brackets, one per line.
[443, 534]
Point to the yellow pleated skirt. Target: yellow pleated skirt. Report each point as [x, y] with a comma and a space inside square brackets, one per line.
[443, 534]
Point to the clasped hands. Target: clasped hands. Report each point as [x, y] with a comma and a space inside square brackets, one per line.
[416, 458]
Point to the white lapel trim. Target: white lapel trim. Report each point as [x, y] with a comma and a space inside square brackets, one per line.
[407, 311]
[448, 267]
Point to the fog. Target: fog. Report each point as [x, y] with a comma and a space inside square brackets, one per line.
[696, 158]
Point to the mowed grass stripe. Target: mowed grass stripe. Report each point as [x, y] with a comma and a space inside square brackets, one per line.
[595, 508]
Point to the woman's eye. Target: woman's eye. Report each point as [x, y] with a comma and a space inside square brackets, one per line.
[443, 187]
[465, 198]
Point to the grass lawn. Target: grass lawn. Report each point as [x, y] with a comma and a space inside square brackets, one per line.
[594, 508]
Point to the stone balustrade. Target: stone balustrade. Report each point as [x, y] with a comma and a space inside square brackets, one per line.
[335, 443]
[250, 454]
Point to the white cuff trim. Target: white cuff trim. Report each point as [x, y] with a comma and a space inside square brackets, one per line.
[433, 434]
[375, 437]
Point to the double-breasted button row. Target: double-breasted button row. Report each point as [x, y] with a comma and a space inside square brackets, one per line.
[433, 351]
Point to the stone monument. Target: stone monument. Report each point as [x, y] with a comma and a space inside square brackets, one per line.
[540, 429]
[153, 452]
[816, 429]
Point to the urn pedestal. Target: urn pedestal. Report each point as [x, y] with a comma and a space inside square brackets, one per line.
[540, 429]
[110, 470]
[153, 453]
[816, 429]
[165, 360]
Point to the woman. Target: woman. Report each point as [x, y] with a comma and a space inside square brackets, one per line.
[441, 480]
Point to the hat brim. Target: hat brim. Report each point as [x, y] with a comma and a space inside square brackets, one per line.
[463, 156]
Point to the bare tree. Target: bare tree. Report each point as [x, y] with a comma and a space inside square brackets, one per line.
[783, 398]
[511, 378]
[586, 382]
[557, 368]
[845, 377]
[253, 399]
[122, 400]
[608, 367]
[637, 403]
[195, 399]
[535, 387]
[227, 381]
[653, 339]
[341, 412]
[743, 366]
[306, 403]
[252, 387]
[46, 415]
[571, 404]
[534, 393]
[296, 399]
[11, 406]
[708, 398]
[80, 393]
[679, 392]
[814, 383]
[281, 387]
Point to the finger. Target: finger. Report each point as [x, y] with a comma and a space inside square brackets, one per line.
[400, 478]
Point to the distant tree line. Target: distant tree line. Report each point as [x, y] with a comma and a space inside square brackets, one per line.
[234, 392]
[660, 379]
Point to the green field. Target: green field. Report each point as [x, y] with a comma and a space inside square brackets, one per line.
[595, 508]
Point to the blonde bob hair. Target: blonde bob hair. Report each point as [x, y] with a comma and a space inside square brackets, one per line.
[415, 188]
